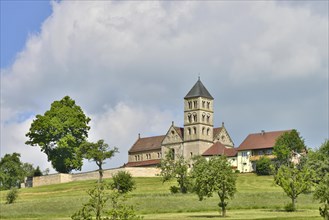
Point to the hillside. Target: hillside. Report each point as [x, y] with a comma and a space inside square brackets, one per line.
[257, 198]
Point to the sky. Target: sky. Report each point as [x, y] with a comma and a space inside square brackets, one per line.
[129, 65]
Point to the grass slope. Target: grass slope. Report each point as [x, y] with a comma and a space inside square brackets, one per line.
[257, 198]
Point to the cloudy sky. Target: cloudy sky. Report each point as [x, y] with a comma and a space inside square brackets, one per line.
[129, 65]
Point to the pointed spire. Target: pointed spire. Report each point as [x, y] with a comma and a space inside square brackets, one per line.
[198, 90]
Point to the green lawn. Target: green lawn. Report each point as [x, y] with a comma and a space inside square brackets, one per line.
[257, 198]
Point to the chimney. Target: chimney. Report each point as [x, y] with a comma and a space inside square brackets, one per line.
[172, 123]
[263, 132]
[139, 135]
[222, 124]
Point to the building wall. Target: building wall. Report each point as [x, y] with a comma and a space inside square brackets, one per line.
[244, 164]
[51, 179]
[94, 175]
[144, 156]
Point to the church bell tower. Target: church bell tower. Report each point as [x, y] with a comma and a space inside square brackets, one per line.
[198, 120]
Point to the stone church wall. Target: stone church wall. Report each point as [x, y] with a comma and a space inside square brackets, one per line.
[64, 178]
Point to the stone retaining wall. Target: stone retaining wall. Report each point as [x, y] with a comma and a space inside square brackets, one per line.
[64, 178]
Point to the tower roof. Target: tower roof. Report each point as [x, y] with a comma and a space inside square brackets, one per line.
[198, 90]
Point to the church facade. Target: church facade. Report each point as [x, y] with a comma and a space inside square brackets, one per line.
[197, 137]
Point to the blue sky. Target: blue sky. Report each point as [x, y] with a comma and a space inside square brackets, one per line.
[18, 20]
[129, 64]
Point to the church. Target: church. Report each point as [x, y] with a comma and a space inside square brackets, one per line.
[197, 137]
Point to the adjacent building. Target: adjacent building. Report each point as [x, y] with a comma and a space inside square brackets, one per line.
[255, 146]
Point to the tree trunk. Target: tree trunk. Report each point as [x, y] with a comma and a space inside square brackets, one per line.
[223, 211]
[293, 201]
[100, 171]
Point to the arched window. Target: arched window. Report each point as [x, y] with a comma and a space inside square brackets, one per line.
[208, 118]
[195, 103]
[189, 118]
[195, 117]
[203, 104]
[189, 131]
[208, 105]
[172, 151]
[203, 130]
[203, 117]
[194, 130]
[208, 131]
[135, 158]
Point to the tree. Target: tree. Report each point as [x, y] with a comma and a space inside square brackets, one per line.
[214, 176]
[286, 146]
[28, 169]
[172, 167]
[318, 161]
[97, 152]
[123, 182]
[59, 133]
[322, 194]
[11, 171]
[263, 166]
[37, 172]
[293, 181]
[98, 204]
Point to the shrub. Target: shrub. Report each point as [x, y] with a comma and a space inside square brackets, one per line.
[289, 207]
[123, 182]
[174, 189]
[237, 171]
[263, 166]
[12, 196]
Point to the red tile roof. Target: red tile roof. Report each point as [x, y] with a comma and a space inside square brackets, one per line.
[220, 149]
[261, 140]
[147, 143]
[143, 163]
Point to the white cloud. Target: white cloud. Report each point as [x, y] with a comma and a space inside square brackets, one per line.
[129, 65]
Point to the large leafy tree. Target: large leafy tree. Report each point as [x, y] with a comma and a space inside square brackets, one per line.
[294, 181]
[59, 133]
[175, 166]
[11, 171]
[98, 152]
[286, 146]
[322, 194]
[214, 176]
[318, 160]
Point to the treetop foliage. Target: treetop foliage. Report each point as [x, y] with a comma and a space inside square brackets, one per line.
[59, 133]
[287, 145]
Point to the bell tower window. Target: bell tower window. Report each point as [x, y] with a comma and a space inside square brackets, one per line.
[189, 118]
[195, 117]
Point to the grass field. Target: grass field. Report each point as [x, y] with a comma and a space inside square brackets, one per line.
[257, 198]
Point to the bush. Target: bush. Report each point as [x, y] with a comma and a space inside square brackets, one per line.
[263, 166]
[289, 207]
[237, 171]
[123, 182]
[12, 196]
[174, 189]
